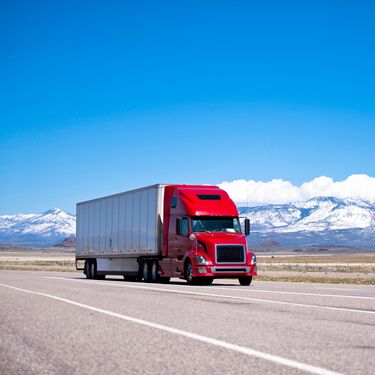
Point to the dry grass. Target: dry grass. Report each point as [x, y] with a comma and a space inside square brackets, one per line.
[368, 258]
[318, 268]
[38, 265]
[37, 260]
[317, 278]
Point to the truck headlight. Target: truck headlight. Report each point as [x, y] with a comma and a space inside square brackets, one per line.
[253, 259]
[201, 260]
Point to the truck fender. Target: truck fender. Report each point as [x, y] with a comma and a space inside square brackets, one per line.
[188, 258]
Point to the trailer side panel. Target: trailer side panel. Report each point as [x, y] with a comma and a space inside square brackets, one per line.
[128, 224]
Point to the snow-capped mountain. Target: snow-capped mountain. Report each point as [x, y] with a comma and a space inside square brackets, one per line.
[46, 229]
[320, 220]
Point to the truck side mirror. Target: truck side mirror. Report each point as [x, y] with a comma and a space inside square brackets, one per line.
[178, 226]
[247, 227]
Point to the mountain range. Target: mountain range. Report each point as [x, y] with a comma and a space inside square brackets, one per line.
[321, 220]
[37, 230]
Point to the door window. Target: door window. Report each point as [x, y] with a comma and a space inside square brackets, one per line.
[184, 227]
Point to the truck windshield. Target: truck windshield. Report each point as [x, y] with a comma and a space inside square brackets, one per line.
[215, 224]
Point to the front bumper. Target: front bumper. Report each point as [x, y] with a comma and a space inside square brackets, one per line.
[224, 271]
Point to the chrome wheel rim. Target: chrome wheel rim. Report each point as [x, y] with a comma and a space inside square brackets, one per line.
[92, 270]
[154, 271]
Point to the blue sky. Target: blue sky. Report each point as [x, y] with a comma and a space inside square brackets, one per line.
[102, 97]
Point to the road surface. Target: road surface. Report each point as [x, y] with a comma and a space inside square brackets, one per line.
[61, 323]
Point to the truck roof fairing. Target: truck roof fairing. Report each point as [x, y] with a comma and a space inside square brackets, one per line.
[206, 201]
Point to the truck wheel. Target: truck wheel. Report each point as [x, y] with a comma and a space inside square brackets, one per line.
[93, 269]
[189, 273]
[146, 272]
[154, 272]
[245, 280]
[87, 271]
[139, 276]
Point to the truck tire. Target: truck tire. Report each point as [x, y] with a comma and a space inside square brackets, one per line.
[139, 276]
[154, 272]
[189, 273]
[87, 271]
[146, 272]
[245, 280]
[93, 269]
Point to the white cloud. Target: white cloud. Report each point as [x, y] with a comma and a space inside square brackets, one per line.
[279, 191]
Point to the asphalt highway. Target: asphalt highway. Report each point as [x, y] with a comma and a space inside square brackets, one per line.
[61, 323]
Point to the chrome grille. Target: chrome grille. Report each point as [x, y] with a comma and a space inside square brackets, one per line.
[230, 254]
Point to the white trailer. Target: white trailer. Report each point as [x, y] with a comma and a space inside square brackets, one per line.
[114, 231]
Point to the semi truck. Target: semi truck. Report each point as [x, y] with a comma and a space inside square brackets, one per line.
[151, 234]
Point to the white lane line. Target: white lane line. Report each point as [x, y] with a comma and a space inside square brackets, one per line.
[209, 340]
[223, 296]
[338, 288]
[288, 292]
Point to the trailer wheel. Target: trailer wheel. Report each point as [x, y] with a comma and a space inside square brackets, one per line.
[146, 272]
[154, 272]
[93, 269]
[87, 270]
[245, 280]
[189, 273]
[139, 276]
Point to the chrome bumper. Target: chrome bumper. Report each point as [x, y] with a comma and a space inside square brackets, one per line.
[230, 269]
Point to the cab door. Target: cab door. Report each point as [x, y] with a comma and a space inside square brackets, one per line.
[180, 244]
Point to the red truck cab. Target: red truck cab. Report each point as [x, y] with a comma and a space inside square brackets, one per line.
[202, 236]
